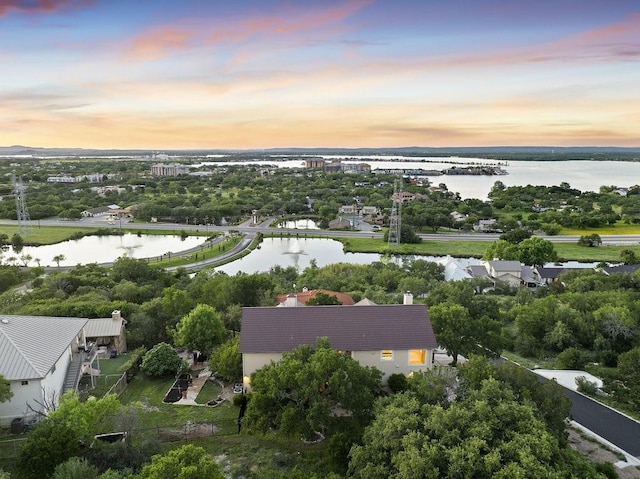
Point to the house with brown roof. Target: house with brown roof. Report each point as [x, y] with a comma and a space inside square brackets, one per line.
[393, 338]
[305, 295]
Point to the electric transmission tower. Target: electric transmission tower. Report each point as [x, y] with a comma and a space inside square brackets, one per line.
[395, 220]
[21, 206]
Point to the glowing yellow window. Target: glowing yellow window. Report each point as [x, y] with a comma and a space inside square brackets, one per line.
[386, 355]
[417, 357]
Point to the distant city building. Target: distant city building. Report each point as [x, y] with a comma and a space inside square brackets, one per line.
[314, 163]
[169, 169]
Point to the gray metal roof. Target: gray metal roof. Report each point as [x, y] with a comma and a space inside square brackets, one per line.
[375, 327]
[31, 345]
[103, 327]
[505, 265]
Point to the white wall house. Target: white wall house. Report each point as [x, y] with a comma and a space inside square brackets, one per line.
[35, 354]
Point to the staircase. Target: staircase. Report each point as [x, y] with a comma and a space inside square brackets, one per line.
[73, 373]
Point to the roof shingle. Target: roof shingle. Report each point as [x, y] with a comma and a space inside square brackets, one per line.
[375, 327]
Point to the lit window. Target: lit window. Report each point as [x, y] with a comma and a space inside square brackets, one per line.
[386, 355]
[346, 353]
[417, 357]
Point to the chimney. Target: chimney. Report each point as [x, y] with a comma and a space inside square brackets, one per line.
[292, 300]
[408, 298]
[115, 315]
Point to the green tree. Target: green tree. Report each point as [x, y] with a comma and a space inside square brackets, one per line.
[628, 256]
[161, 360]
[459, 333]
[227, 360]
[536, 251]
[323, 299]
[629, 368]
[300, 393]
[200, 330]
[5, 389]
[501, 249]
[590, 240]
[488, 433]
[17, 242]
[64, 432]
[75, 468]
[59, 257]
[186, 462]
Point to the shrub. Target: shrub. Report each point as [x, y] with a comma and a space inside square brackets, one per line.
[132, 366]
[397, 383]
[161, 360]
[76, 468]
[572, 358]
[585, 386]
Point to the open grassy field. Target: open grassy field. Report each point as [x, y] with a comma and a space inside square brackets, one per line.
[475, 249]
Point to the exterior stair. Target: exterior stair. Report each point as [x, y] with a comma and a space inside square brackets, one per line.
[74, 372]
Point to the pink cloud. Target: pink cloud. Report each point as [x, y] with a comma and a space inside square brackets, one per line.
[158, 42]
[165, 40]
[39, 6]
[287, 22]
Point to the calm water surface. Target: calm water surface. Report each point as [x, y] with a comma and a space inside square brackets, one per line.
[105, 249]
[581, 174]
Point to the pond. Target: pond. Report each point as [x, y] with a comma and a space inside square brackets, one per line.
[103, 249]
[299, 252]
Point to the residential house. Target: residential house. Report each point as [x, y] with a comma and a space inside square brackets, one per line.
[512, 273]
[392, 338]
[487, 226]
[549, 275]
[303, 297]
[620, 268]
[101, 211]
[40, 357]
[108, 333]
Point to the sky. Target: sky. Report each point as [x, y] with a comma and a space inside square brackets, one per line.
[251, 74]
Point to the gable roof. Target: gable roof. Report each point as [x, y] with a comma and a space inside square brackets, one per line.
[505, 265]
[375, 327]
[621, 268]
[31, 345]
[103, 327]
[550, 272]
[304, 296]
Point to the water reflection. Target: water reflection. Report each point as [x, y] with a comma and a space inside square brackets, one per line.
[102, 249]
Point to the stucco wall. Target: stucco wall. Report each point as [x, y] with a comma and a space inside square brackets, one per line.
[398, 365]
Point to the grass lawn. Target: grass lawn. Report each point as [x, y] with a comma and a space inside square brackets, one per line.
[47, 234]
[203, 254]
[465, 249]
[109, 374]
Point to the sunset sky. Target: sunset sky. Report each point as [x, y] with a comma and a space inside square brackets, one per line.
[333, 73]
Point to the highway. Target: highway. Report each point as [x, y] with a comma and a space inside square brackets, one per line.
[264, 227]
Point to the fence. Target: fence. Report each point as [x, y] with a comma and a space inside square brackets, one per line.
[119, 386]
[10, 448]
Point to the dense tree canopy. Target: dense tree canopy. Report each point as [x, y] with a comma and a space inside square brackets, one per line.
[5, 389]
[300, 394]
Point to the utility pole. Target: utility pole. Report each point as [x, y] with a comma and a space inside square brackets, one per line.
[395, 220]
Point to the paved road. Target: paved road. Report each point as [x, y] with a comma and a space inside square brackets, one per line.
[616, 428]
[264, 228]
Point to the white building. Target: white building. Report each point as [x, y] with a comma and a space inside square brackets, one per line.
[36, 353]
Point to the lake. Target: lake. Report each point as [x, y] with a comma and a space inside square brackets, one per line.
[105, 249]
[584, 175]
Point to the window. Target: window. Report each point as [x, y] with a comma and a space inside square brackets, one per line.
[24, 383]
[346, 353]
[386, 355]
[417, 357]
